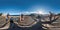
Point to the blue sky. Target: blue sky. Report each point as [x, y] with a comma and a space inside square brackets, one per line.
[23, 6]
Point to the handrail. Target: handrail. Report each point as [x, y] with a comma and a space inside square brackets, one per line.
[5, 23]
[25, 25]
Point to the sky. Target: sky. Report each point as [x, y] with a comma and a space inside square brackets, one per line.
[29, 6]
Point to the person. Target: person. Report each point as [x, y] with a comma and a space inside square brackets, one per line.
[11, 19]
[7, 18]
[22, 18]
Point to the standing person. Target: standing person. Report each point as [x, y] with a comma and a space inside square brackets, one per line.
[22, 17]
[7, 18]
[11, 19]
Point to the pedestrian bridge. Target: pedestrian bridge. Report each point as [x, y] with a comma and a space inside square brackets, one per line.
[26, 22]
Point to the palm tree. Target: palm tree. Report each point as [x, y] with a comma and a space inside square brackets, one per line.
[0, 14]
[50, 18]
[59, 14]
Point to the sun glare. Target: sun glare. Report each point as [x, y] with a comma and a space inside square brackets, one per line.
[40, 12]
